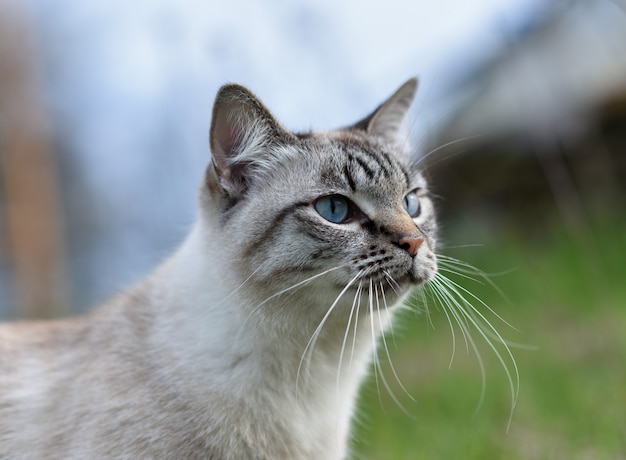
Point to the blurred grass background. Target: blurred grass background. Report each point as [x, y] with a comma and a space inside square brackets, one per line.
[572, 396]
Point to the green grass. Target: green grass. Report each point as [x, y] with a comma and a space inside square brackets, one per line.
[567, 296]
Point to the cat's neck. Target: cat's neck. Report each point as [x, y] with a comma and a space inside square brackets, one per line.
[207, 325]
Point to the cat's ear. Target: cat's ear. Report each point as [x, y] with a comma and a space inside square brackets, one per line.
[387, 119]
[242, 133]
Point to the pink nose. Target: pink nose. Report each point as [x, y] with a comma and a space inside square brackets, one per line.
[411, 244]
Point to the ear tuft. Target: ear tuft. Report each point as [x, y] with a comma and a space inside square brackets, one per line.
[387, 119]
[242, 129]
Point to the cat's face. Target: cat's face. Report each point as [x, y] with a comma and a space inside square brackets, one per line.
[333, 211]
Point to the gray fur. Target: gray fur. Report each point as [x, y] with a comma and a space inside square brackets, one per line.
[236, 346]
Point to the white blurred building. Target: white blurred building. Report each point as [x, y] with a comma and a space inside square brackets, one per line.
[540, 127]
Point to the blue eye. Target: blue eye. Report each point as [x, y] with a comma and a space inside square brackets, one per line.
[333, 208]
[412, 204]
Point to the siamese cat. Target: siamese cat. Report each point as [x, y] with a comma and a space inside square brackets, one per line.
[251, 340]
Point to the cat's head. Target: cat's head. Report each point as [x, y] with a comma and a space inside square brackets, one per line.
[322, 210]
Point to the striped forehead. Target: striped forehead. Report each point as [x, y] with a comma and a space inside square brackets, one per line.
[356, 165]
[365, 165]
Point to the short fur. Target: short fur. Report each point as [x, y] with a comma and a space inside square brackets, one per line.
[251, 341]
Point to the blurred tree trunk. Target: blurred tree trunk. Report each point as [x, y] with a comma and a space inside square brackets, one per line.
[33, 217]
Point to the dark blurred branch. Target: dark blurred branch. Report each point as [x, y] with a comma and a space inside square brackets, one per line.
[27, 173]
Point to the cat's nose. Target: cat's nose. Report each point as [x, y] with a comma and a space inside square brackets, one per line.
[411, 243]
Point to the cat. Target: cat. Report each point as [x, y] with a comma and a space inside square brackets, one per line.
[251, 340]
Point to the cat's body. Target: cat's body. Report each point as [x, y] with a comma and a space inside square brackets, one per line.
[252, 339]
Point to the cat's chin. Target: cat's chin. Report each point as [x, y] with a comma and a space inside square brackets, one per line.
[412, 281]
[420, 279]
[424, 270]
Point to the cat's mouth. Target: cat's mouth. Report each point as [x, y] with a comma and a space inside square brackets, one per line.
[394, 280]
[397, 275]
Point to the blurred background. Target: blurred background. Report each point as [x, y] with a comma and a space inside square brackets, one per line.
[521, 123]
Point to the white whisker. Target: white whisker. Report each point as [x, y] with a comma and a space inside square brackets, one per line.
[392, 282]
[447, 299]
[355, 307]
[434, 286]
[297, 285]
[463, 269]
[377, 363]
[458, 286]
[386, 348]
[377, 368]
[468, 269]
[356, 324]
[458, 273]
[387, 313]
[311, 343]
[481, 324]
[426, 309]
[234, 291]
[443, 146]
